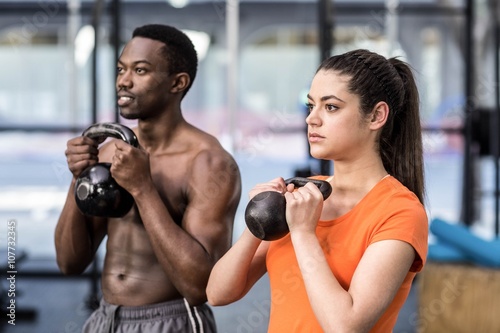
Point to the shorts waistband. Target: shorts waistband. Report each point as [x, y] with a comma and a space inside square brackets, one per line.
[151, 311]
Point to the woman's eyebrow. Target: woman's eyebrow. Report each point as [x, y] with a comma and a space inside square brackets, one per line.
[325, 98]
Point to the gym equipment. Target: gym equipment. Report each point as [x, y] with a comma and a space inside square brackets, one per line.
[460, 237]
[265, 214]
[96, 192]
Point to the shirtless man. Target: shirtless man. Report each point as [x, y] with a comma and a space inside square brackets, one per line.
[186, 189]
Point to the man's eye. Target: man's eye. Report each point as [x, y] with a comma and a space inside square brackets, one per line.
[140, 70]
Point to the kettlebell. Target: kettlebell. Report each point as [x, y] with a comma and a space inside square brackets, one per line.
[96, 192]
[265, 214]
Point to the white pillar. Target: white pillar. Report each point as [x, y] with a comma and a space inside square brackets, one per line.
[392, 27]
[232, 32]
[74, 22]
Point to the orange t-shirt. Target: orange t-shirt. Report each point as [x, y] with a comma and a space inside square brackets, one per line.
[388, 211]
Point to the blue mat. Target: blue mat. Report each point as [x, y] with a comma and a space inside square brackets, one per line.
[444, 252]
[457, 243]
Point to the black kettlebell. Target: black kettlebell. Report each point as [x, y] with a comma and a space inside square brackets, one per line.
[265, 214]
[96, 192]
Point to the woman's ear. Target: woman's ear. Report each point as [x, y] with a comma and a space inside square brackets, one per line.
[180, 83]
[380, 114]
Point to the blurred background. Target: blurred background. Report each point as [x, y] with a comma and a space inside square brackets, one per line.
[257, 58]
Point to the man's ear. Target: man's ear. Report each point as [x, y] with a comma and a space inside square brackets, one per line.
[180, 83]
[379, 116]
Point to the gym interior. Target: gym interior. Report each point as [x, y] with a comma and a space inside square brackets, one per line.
[256, 60]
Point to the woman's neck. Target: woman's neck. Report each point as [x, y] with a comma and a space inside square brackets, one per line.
[357, 179]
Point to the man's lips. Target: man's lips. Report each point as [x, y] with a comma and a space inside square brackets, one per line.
[125, 100]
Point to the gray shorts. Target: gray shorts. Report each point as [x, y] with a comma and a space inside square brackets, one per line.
[173, 316]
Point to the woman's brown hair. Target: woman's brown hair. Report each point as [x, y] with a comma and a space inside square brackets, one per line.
[374, 78]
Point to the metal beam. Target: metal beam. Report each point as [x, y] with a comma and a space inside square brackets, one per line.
[96, 20]
[468, 185]
[116, 18]
[325, 32]
[496, 114]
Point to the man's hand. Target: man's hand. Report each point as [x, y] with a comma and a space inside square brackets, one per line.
[81, 152]
[130, 167]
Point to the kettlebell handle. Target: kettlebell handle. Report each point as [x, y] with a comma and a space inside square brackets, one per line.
[101, 131]
[265, 215]
[323, 186]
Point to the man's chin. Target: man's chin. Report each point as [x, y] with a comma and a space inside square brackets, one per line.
[129, 116]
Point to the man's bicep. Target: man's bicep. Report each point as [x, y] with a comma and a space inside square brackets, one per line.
[214, 194]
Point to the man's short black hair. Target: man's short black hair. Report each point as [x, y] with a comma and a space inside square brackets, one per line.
[179, 50]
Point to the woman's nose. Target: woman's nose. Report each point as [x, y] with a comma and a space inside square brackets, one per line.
[312, 118]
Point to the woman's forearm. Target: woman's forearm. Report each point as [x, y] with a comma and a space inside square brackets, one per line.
[237, 271]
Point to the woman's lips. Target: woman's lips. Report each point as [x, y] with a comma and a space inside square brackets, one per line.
[314, 137]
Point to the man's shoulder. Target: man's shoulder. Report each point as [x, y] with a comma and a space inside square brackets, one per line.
[201, 153]
[213, 157]
[206, 145]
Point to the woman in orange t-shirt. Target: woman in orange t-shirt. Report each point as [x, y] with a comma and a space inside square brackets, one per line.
[348, 262]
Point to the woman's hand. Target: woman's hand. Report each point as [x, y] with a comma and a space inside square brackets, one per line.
[303, 208]
[277, 184]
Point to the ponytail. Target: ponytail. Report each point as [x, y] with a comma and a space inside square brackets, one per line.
[406, 139]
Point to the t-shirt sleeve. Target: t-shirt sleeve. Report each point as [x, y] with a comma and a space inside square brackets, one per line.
[406, 221]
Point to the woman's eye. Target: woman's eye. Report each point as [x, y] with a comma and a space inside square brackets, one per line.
[331, 107]
[309, 106]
